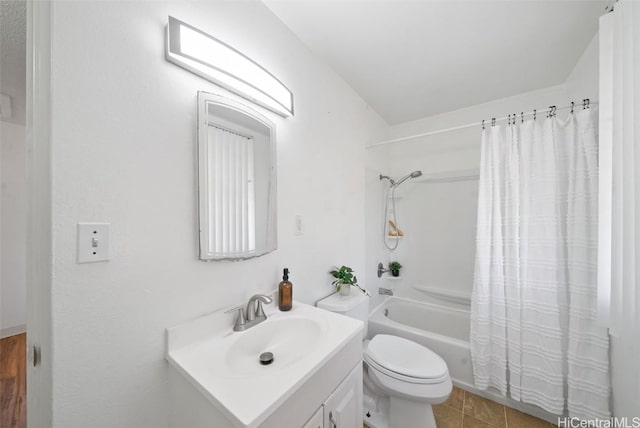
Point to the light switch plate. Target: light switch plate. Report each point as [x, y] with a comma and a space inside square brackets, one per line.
[93, 242]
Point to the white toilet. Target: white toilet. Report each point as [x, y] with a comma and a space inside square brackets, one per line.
[402, 379]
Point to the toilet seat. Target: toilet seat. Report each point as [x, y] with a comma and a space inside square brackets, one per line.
[405, 360]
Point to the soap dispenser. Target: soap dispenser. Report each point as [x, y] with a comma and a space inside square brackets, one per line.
[285, 292]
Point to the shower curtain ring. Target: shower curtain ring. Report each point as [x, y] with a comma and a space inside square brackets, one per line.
[534, 114]
[482, 123]
[572, 105]
[493, 121]
[521, 117]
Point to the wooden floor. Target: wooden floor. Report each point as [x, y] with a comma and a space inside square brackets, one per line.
[13, 382]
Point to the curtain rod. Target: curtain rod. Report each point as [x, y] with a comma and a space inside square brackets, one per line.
[585, 104]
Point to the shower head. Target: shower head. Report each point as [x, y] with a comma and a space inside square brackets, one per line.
[414, 174]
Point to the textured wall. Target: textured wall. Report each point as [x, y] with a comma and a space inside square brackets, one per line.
[124, 152]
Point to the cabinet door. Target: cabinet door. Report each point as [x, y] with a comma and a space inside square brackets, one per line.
[317, 420]
[343, 409]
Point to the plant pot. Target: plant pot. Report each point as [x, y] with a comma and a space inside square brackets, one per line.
[345, 289]
[395, 272]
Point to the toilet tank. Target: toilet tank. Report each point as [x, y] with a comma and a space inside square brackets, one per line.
[355, 305]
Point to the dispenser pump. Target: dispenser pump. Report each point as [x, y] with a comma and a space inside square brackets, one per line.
[285, 292]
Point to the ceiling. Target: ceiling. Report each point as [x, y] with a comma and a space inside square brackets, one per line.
[413, 59]
[13, 56]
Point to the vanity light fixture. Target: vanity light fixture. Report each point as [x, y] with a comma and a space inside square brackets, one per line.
[214, 60]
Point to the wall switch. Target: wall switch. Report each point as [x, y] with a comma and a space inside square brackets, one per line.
[93, 242]
[299, 226]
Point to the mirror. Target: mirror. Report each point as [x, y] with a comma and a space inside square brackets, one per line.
[237, 180]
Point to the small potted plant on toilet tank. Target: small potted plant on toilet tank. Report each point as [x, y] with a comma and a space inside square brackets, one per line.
[344, 278]
[395, 267]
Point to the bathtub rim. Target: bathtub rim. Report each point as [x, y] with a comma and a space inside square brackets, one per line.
[377, 315]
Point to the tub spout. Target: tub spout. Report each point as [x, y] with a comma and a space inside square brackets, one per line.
[385, 291]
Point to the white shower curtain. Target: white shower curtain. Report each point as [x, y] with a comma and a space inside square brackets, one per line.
[534, 335]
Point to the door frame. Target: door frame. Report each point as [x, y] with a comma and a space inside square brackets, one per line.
[39, 217]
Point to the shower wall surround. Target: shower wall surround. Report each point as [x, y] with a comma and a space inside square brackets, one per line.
[127, 155]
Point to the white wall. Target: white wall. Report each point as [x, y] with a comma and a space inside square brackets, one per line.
[124, 152]
[583, 79]
[13, 214]
[624, 384]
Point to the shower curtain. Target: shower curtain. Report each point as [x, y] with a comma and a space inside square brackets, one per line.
[533, 317]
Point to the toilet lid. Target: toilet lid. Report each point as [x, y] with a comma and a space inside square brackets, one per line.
[405, 357]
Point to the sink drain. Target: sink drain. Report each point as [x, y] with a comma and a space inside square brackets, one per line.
[266, 358]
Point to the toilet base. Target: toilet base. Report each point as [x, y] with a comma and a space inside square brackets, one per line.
[376, 409]
[384, 411]
[375, 420]
[404, 414]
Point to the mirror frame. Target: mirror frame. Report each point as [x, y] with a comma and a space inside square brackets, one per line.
[205, 98]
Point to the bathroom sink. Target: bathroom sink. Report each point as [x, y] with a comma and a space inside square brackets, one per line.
[225, 365]
[289, 339]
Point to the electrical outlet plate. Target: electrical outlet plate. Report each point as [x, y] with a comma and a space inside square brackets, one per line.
[93, 242]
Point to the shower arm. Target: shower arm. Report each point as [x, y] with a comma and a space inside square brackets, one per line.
[391, 180]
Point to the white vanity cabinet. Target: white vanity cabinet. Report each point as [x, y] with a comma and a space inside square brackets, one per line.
[216, 379]
[317, 420]
[343, 408]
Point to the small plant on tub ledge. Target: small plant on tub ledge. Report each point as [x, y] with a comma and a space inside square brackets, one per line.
[344, 279]
[395, 267]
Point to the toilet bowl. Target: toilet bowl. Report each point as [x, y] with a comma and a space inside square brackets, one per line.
[402, 379]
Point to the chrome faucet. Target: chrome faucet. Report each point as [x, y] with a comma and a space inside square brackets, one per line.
[385, 291]
[254, 314]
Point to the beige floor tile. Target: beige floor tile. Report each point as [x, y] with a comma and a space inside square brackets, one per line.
[456, 399]
[471, 422]
[484, 410]
[447, 417]
[517, 419]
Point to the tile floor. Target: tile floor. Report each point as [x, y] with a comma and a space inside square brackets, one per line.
[466, 410]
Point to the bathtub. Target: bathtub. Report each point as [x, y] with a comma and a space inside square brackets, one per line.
[444, 329]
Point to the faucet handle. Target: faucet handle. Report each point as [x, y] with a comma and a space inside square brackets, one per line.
[240, 320]
[260, 311]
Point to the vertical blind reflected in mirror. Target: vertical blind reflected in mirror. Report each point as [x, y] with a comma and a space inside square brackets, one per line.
[237, 184]
[232, 191]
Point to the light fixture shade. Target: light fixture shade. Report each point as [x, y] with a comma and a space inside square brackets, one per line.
[214, 60]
